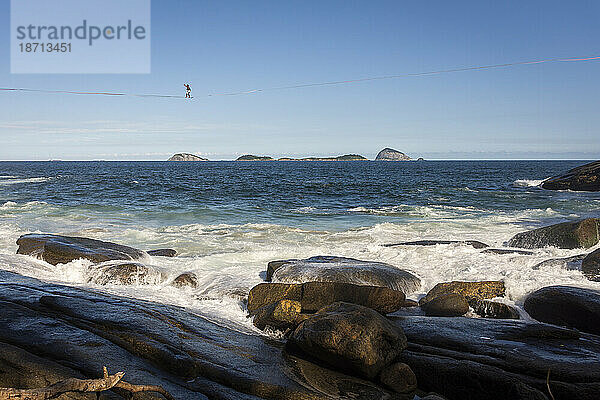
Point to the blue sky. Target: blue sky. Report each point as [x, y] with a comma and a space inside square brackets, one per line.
[526, 112]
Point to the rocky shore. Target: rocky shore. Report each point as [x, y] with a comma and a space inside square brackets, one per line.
[347, 329]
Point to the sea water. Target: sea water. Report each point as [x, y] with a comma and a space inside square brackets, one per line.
[228, 219]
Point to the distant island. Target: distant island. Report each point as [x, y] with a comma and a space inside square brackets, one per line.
[346, 157]
[388, 154]
[186, 157]
[250, 157]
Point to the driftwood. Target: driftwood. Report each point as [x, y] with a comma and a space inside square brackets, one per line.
[81, 385]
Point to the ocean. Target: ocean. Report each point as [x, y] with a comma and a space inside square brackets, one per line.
[228, 219]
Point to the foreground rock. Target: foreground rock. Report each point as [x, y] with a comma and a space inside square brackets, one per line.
[162, 252]
[124, 273]
[56, 249]
[583, 178]
[590, 266]
[566, 306]
[446, 305]
[388, 154]
[343, 270]
[186, 157]
[399, 377]
[470, 290]
[573, 262]
[508, 251]
[187, 279]
[471, 358]
[493, 309]
[315, 295]
[281, 315]
[352, 338]
[52, 332]
[567, 235]
[473, 243]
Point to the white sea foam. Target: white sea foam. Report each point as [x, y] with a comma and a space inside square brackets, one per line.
[230, 259]
[14, 181]
[528, 182]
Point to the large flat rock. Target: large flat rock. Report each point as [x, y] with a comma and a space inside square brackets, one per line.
[57, 249]
[582, 178]
[59, 331]
[567, 235]
[343, 270]
[567, 306]
[476, 358]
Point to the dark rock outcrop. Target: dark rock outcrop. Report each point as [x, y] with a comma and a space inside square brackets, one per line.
[343, 270]
[56, 249]
[573, 262]
[583, 178]
[388, 154]
[162, 252]
[282, 315]
[508, 251]
[590, 266]
[446, 305]
[315, 295]
[350, 337]
[57, 332]
[187, 279]
[567, 235]
[493, 309]
[472, 358]
[470, 290]
[124, 273]
[473, 243]
[399, 377]
[186, 157]
[566, 306]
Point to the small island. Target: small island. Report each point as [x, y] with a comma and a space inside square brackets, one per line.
[250, 157]
[388, 154]
[186, 157]
[346, 157]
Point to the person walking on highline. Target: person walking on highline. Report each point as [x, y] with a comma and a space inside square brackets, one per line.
[188, 91]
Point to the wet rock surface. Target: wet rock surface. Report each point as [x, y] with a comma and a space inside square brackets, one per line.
[470, 290]
[493, 309]
[471, 358]
[566, 306]
[343, 270]
[187, 279]
[60, 331]
[315, 295]
[508, 251]
[162, 252]
[124, 273]
[473, 243]
[446, 305]
[56, 249]
[567, 235]
[573, 262]
[582, 178]
[282, 315]
[350, 337]
[590, 266]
